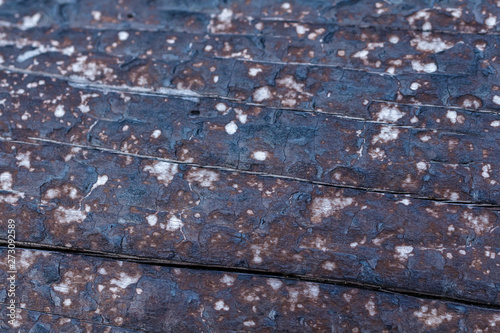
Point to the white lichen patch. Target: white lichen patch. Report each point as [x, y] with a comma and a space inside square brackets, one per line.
[426, 43]
[30, 21]
[202, 177]
[23, 160]
[377, 153]
[123, 35]
[486, 171]
[452, 116]
[262, 94]
[420, 67]
[415, 86]
[403, 252]
[325, 207]
[125, 280]
[59, 111]
[422, 166]
[386, 134]
[152, 219]
[220, 305]
[221, 22]
[228, 279]
[276, 284]
[479, 223]
[496, 99]
[495, 123]
[260, 155]
[174, 223]
[231, 128]
[370, 307]
[390, 113]
[431, 317]
[156, 134]
[163, 171]
[253, 71]
[68, 215]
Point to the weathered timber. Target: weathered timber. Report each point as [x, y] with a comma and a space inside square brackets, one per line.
[114, 202]
[251, 17]
[152, 298]
[427, 152]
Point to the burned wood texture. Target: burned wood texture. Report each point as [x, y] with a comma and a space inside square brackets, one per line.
[92, 291]
[212, 166]
[152, 208]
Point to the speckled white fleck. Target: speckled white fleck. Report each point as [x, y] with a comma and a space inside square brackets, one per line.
[231, 128]
[259, 155]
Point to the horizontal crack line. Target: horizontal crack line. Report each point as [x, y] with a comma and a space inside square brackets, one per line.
[261, 174]
[248, 271]
[440, 106]
[135, 26]
[81, 83]
[351, 69]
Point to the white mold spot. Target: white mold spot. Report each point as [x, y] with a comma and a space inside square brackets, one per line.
[432, 318]
[496, 99]
[422, 166]
[152, 219]
[124, 281]
[425, 43]
[163, 171]
[30, 21]
[452, 116]
[275, 283]
[231, 128]
[394, 39]
[123, 35]
[490, 21]
[174, 223]
[418, 66]
[259, 155]
[414, 86]
[228, 279]
[203, 177]
[324, 207]
[67, 215]
[403, 252]
[221, 107]
[370, 307]
[254, 71]
[389, 113]
[96, 15]
[262, 94]
[156, 134]
[59, 112]
[480, 224]
[386, 134]
[495, 123]
[220, 305]
[24, 160]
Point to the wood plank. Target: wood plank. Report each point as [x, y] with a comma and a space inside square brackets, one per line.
[283, 86]
[150, 208]
[151, 298]
[369, 49]
[247, 17]
[427, 152]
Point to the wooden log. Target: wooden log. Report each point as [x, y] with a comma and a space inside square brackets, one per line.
[426, 152]
[145, 206]
[251, 16]
[153, 298]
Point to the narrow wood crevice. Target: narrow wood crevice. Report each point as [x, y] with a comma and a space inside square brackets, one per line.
[248, 271]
